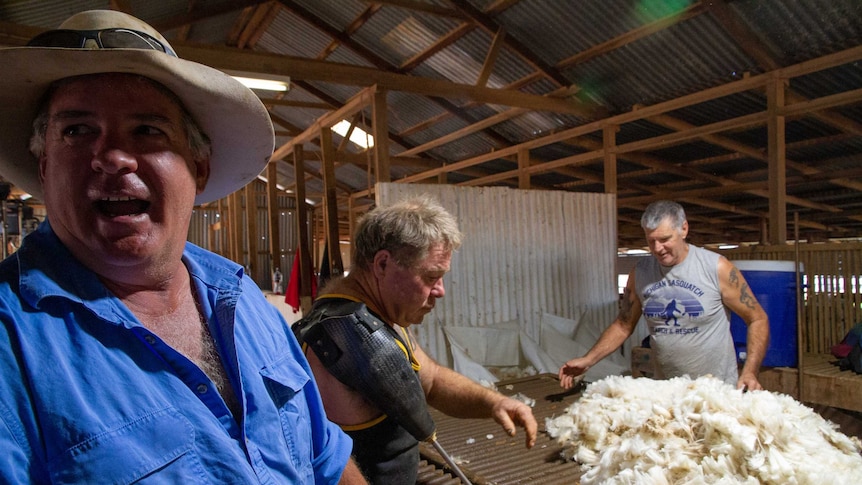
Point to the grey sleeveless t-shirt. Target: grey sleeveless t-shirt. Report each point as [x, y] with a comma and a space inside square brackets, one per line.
[688, 324]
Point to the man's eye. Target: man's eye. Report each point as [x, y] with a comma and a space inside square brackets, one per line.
[431, 279]
[77, 130]
[148, 130]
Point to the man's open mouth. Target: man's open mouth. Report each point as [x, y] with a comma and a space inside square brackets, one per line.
[121, 206]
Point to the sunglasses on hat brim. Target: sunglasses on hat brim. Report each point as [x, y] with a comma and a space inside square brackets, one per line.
[117, 38]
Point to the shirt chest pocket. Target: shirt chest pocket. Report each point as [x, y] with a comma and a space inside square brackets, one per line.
[286, 384]
[158, 446]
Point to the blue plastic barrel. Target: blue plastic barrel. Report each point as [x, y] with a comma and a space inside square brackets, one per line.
[773, 283]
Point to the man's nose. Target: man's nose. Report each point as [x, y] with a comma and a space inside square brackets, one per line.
[112, 156]
[438, 291]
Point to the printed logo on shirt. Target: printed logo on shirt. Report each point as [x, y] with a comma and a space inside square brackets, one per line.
[672, 303]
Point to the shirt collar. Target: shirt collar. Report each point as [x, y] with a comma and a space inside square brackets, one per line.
[48, 269]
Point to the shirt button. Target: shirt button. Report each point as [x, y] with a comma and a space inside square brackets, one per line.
[202, 388]
[150, 339]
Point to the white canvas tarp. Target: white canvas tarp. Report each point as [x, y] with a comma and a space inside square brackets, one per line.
[474, 349]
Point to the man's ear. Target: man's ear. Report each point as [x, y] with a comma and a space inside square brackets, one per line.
[382, 259]
[42, 169]
[202, 173]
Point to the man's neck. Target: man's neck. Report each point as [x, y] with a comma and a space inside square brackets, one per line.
[357, 285]
[151, 296]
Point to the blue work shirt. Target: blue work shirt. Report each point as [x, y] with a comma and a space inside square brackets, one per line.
[89, 395]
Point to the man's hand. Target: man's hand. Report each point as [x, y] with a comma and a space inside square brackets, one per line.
[748, 382]
[571, 370]
[508, 412]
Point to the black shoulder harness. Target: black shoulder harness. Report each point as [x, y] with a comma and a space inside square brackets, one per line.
[361, 351]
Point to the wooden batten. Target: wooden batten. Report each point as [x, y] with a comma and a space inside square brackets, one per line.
[823, 382]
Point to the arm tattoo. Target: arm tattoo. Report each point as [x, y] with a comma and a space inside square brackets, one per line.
[734, 277]
[626, 308]
[746, 298]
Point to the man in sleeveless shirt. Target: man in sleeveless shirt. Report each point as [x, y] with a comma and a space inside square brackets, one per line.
[400, 254]
[685, 294]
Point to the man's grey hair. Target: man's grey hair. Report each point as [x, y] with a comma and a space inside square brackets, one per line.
[407, 229]
[660, 210]
[199, 143]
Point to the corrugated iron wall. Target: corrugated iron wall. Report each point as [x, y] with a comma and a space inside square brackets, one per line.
[525, 253]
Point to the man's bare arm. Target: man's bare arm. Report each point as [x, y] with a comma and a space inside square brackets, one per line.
[738, 297]
[459, 396]
[610, 340]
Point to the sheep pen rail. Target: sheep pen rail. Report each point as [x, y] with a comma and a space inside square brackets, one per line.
[823, 382]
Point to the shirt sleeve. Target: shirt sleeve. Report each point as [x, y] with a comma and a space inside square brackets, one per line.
[332, 446]
[15, 466]
[331, 459]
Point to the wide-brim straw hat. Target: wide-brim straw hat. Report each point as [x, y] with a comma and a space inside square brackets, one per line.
[229, 113]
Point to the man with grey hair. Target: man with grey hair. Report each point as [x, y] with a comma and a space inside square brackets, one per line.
[684, 293]
[374, 378]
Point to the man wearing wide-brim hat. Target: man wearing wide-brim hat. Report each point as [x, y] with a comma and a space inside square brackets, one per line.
[126, 352]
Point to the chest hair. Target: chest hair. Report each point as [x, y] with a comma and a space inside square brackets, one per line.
[185, 330]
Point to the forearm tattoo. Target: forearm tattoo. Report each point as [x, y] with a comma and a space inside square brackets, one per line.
[746, 298]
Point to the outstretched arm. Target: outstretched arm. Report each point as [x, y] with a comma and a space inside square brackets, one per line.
[610, 340]
[737, 295]
[461, 397]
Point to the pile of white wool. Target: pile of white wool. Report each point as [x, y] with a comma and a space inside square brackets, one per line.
[626, 430]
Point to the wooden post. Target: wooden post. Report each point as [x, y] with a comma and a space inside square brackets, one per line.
[272, 213]
[305, 254]
[800, 344]
[380, 125]
[777, 163]
[251, 232]
[234, 227]
[221, 229]
[609, 142]
[330, 202]
[523, 165]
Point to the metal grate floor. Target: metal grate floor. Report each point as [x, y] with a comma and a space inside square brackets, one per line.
[487, 455]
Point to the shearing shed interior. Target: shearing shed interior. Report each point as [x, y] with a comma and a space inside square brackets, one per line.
[546, 127]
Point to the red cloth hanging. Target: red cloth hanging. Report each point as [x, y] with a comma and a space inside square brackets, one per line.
[291, 295]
